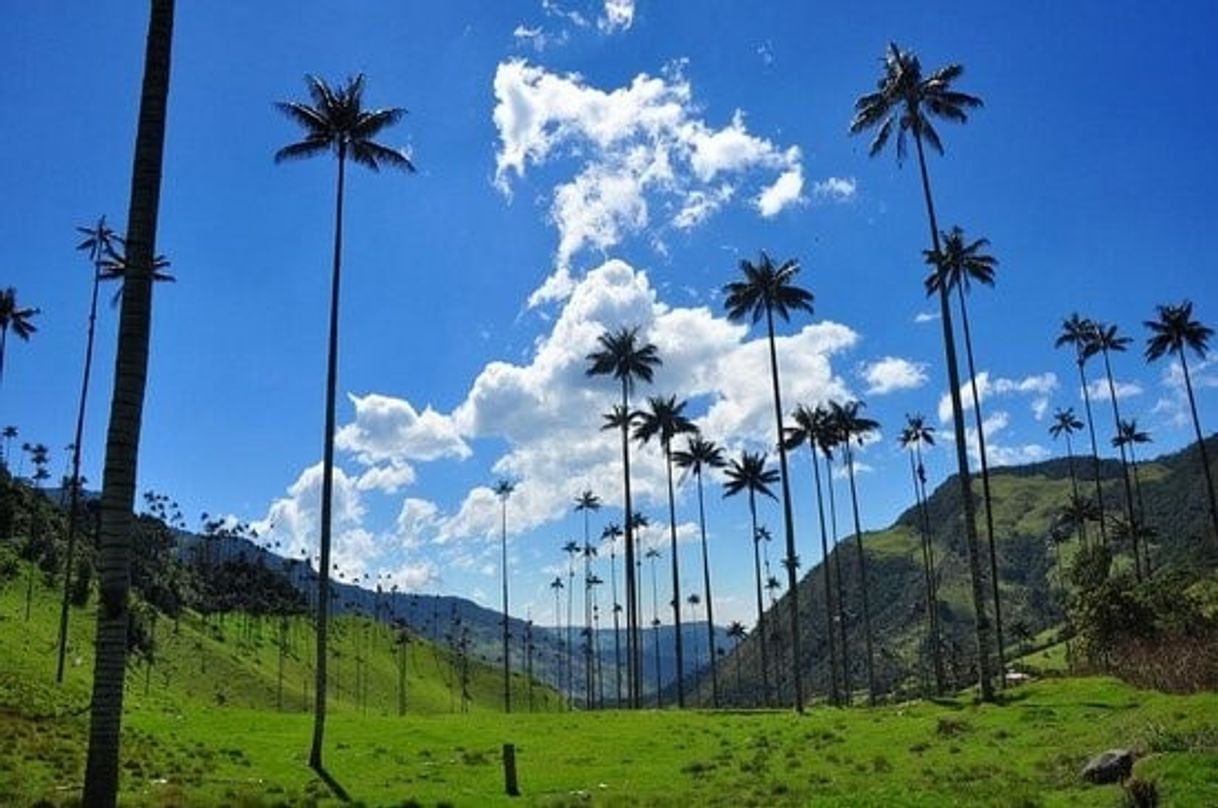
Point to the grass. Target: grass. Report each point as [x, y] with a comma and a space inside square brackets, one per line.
[182, 748]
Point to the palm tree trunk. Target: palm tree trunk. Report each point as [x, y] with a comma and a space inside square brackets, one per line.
[1095, 450]
[507, 667]
[617, 643]
[1129, 514]
[676, 582]
[872, 687]
[570, 645]
[1137, 488]
[835, 695]
[589, 672]
[634, 678]
[1205, 462]
[710, 611]
[765, 654]
[985, 488]
[126, 411]
[788, 523]
[923, 523]
[982, 623]
[1082, 526]
[936, 625]
[3, 343]
[841, 591]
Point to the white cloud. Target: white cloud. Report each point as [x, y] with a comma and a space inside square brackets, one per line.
[415, 576]
[997, 453]
[784, 192]
[1099, 390]
[538, 38]
[388, 479]
[618, 16]
[926, 317]
[835, 189]
[701, 204]
[892, 373]
[417, 518]
[1038, 385]
[1040, 407]
[390, 429]
[1174, 405]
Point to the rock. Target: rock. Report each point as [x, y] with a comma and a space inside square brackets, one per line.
[1112, 766]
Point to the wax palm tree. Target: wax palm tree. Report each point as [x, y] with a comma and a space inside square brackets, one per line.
[809, 426]
[699, 455]
[664, 419]
[611, 533]
[694, 599]
[9, 434]
[765, 291]
[625, 357]
[1065, 423]
[1076, 332]
[557, 586]
[1174, 331]
[336, 123]
[589, 553]
[39, 459]
[828, 439]
[572, 549]
[116, 267]
[503, 490]
[126, 410]
[750, 474]
[17, 317]
[913, 435]
[586, 503]
[956, 265]
[737, 632]
[854, 427]
[653, 555]
[1129, 435]
[906, 101]
[1104, 339]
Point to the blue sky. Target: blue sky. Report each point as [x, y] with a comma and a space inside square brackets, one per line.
[584, 165]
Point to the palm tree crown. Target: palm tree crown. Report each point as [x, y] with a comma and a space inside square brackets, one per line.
[337, 121]
[1065, 423]
[623, 357]
[698, 455]
[958, 262]
[15, 316]
[749, 474]
[766, 288]
[1176, 330]
[665, 419]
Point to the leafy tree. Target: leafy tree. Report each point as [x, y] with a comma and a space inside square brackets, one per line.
[503, 490]
[699, 455]
[126, 410]
[907, 101]
[1065, 423]
[1174, 331]
[913, 435]
[956, 265]
[765, 291]
[664, 419]
[17, 317]
[335, 123]
[750, 474]
[623, 356]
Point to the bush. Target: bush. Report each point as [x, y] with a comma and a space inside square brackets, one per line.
[9, 564]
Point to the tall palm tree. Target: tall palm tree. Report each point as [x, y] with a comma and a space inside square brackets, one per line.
[335, 123]
[957, 264]
[557, 586]
[17, 317]
[588, 502]
[664, 419]
[1076, 332]
[99, 242]
[830, 438]
[854, 427]
[698, 455]
[750, 474]
[624, 356]
[737, 632]
[39, 459]
[1065, 423]
[126, 411]
[1129, 435]
[765, 291]
[589, 553]
[1104, 340]
[503, 490]
[611, 533]
[1172, 333]
[694, 599]
[809, 426]
[907, 101]
[653, 555]
[915, 433]
[572, 549]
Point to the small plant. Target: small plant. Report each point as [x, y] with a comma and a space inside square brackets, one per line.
[1141, 793]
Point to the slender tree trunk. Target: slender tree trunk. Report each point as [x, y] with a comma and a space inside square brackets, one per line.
[1205, 461]
[1082, 525]
[655, 630]
[507, 666]
[1129, 514]
[924, 534]
[634, 678]
[710, 611]
[676, 582]
[126, 411]
[834, 694]
[843, 644]
[985, 489]
[1137, 489]
[617, 643]
[982, 624]
[788, 523]
[1095, 450]
[931, 575]
[3, 343]
[765, 655]
[872, 686]
[570, 644]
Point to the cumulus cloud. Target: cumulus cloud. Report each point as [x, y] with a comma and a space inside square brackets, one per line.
[388, 479]
[1099, 391]
[835, 189]
[1039, 385]
[892, 373]
[618, 16]
[926, 317]
[999, 453]
[390, 429]
[636, 145]
[1174, 404]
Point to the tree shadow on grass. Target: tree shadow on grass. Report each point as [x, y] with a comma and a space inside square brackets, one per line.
[335, 787]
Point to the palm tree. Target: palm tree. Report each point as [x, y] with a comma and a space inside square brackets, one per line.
[664, 418]
[916, 433]
[503, 489]
[737, 632]
[557, 586]
[588, 502]
[1066, 423]
[126, 410]
[809, 426]
[1129, 435]
[830, 438]
[623, 356]
[34, 547]
[768, 289]
[611, 533]
[99, 242]
[1174, 331]
[1104, 339]
[589, 552]
[907, 101]
[116, 267]
[854, 427]
[572, 549]
[694, 599]
[750, 474]
[337, 123]
[653, 555]
[14, 316]
[1076, 332]
[9, 433]
[956, 265]
[700, 454]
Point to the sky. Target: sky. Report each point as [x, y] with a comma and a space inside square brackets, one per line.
[583, 166]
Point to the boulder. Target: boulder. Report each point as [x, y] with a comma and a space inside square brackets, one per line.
[1112, 766]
